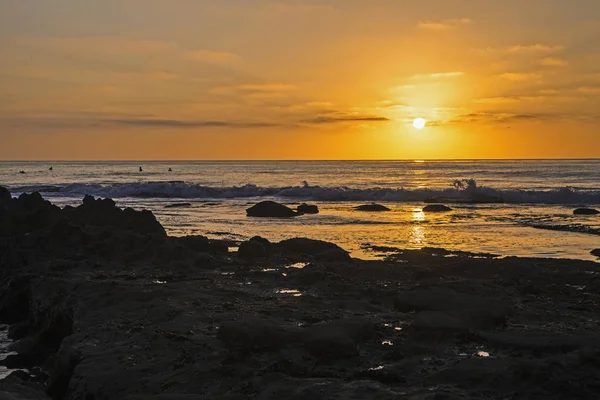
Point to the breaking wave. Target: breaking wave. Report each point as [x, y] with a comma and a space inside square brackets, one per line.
[179, 189]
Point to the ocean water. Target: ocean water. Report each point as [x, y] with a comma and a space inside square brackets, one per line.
[535, 219]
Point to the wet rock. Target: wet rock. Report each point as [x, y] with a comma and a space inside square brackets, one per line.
[178, 205]
[264, 242]
[253, 334]
[270, 209]
[322, 389]
[586, 211]
[372, 208]
[317, 248]
[13, 387]
[197, 243]
[595, 252]
[539, 341]
[252, 249]
[14, 299]
[307, 209]
[436, 208]
[453, 310]
[339, 338]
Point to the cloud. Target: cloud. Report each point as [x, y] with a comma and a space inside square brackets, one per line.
[444, 24]
[440, 75]
[589, 89]
[213, 57]
[162, 76]
[498, 100]
[265, 87]
[520, 76]
[343, 117]
[554, 62]
[81, 122]
[535, 48]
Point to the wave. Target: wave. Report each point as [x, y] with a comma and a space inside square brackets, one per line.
[179, 189]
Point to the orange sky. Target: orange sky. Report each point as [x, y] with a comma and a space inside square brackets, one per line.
[329, 79]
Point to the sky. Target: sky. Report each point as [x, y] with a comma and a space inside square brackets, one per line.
[313, 79]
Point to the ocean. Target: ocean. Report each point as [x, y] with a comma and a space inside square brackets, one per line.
[535, 219]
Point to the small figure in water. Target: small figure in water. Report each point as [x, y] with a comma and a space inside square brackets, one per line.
[170, 170]
[21, 172]
[141, 170]
[50, 169]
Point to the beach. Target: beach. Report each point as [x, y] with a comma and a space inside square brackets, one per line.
[103, 304]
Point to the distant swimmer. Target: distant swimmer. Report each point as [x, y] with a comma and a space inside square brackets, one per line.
[141, 170]
[170, 170]
[22, 172]
[50, 169]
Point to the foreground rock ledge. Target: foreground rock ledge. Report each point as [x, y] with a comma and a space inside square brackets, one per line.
[112, 308]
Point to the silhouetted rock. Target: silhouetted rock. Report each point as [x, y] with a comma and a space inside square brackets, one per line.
[595, 252]
[372, 207]
[178, 205]
[586, 211]
[265, 242]
[436, 208]
[5, 197]
[270, 209]
[252, 334]
[252, 249]
[318, 248]
[307, 209]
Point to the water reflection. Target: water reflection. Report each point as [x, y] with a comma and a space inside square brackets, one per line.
[418, 215]
[416, 235]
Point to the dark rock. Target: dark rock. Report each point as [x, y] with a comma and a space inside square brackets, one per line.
[14, 300]
[5, 197]
[200, 244]
[307, 209]
[586, 211]
[595, 252]
[265, 242]
[252, 249]
[270, 209]
[453, 310]
[251, 334]
[338, 339]
[372, 207]
[178, 205]
[436, 208]
[317, 248]
[13, 387]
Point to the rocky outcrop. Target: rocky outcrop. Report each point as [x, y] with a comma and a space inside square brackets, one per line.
[586, 211]
[252, 249]
[595, 252]
[270, 209]
[436, 208]
[307, 209]
[316, 248]
[372, 208]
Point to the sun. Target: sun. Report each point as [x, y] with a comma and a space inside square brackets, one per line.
[419, 123]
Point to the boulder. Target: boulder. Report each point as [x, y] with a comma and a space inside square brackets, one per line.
[338, 339]
[436, 208]
[586, 211]
[318, 248]
[595, 252]
[307, 209]
[265, 242]
[372, 208]
[270, 209]
[178, 205]
[252, 249]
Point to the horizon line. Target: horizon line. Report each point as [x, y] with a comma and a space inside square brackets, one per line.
[299, 160]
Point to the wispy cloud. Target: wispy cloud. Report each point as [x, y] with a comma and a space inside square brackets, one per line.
[589, 89]
[443, 24]
[343, 117]
[521, 76]
[439, 75]
[554, 62]
[214, 57]
[535, 48]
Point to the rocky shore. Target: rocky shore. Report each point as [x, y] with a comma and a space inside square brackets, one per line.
[102, 304]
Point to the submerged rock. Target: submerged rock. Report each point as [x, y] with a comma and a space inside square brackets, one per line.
[270, 209]
[307, 209]
[5, 196]
[178, 205]
[372, 207]
[436, 208]
[585, 211]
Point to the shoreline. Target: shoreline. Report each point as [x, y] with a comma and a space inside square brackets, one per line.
[109, 306]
